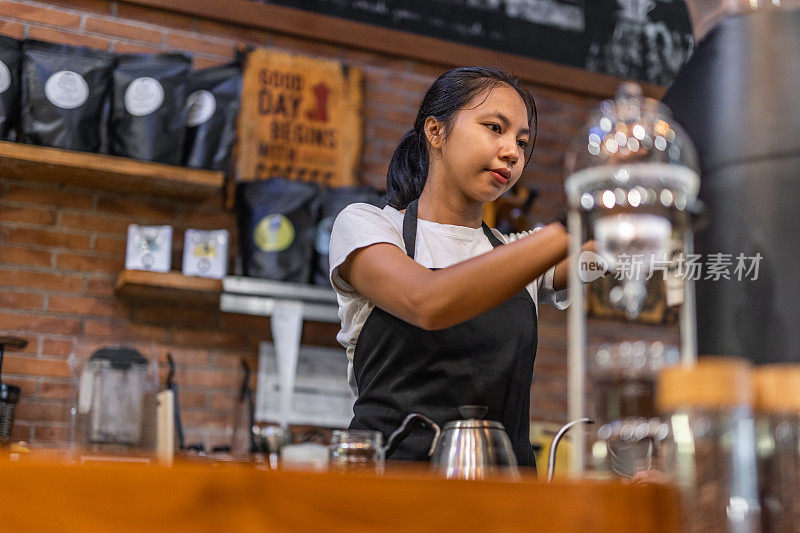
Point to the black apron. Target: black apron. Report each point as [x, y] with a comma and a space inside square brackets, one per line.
[487, 360]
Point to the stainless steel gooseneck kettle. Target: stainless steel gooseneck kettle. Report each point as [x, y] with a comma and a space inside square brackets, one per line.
[471, 448]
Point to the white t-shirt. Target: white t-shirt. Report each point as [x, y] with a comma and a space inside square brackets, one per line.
[438, 246]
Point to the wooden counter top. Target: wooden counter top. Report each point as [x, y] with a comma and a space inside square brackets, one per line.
[221, 497]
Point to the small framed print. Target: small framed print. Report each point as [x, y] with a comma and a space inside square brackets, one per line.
[149, 248]
[205, 253]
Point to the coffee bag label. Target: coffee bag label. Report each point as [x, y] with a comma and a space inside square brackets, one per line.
[201, 105]
[274, 233]
[143, 96]
[66, 89]
[5, 77]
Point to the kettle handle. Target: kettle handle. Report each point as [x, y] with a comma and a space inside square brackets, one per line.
[405, 428]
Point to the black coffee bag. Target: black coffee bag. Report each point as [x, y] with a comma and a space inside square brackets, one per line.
[148, 114]
[10, 67]
[63, 92]
[277, 223]
[212, 107]
[332, 201]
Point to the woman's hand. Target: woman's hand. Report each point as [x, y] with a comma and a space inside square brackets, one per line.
[561, 277]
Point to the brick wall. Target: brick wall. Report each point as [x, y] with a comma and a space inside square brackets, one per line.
[61, 248]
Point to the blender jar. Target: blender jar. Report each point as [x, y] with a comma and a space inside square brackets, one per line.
[112, 404]
[631, 183]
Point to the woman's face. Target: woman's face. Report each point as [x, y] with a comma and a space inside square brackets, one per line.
[483, 152]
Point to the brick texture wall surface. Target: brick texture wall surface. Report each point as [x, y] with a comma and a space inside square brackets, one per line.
[61, 248]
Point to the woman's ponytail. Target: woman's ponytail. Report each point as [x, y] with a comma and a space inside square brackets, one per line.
[408, 170]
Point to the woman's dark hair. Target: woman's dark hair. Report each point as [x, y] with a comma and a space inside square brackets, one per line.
[451, 92]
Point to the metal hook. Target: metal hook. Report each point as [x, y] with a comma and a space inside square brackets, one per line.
[171, 374]
[171, 385]
[245, 380]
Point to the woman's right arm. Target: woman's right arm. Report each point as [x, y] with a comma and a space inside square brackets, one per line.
[438, 299]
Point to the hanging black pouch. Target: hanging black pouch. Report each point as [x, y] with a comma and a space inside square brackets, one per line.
[63, 92]
[10, 67]
[212, 107]
[277, 222]
[332, 202]
[148, 115]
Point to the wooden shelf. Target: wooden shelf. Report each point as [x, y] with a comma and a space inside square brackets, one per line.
[172, 286]
[106, 172]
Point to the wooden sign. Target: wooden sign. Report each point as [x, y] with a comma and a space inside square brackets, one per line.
[300, 119]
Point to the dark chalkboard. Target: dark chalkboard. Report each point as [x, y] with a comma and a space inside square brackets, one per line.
[646, 40]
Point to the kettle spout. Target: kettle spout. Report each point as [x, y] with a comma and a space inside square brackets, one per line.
[551, 460]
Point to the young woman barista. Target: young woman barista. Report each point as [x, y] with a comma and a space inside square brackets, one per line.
[437, 309]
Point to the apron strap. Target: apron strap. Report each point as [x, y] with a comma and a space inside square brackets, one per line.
[490, 235]
[410, 230]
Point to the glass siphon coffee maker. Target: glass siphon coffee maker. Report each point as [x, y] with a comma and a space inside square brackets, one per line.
[631, 184]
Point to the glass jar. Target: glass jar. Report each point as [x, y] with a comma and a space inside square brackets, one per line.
[778, 446]
[357, 450]
[711, 451]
